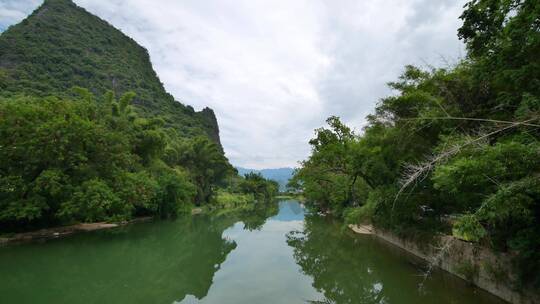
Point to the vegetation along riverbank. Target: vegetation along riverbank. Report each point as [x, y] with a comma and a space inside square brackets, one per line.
[91, 135]
[447, 166]
[454, 152]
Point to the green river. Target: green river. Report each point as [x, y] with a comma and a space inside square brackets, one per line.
[279, 254]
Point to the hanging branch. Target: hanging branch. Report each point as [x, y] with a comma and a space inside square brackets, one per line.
[434, 261]
[524, 123]
[417, 172]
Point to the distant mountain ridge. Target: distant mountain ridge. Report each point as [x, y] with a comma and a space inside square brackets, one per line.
[280, 175]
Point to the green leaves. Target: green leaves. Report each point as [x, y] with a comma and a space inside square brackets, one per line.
[262, 189]
[515, 202]
[95, 201]
[176, 193]
[61, 46]
[206, 164]
[138, 189]
[456, 142]
[79, 160]
[126, 100]
[72, 156]
[468, 228]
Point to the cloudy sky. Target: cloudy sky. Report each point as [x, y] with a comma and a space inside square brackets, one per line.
[274, 70]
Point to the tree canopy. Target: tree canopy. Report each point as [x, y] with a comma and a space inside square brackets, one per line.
[455, 150]
[88, 133]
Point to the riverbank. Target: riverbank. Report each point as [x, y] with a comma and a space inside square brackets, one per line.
[480, 266]
[62, 231]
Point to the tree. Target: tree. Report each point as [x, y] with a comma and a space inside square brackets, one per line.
[207, 165]
[263, 189]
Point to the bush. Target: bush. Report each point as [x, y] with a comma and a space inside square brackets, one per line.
[140, 190]
[176, 193]
[95, 201]
[468, 228]
[228, 199]
[82, 159]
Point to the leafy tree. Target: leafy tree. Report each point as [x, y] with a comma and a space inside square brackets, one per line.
[460, 142]
[207, 165]
[94, 201]
[67, 155]
[263, 189]
[88, 159]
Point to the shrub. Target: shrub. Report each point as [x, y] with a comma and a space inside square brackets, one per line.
[95, 201]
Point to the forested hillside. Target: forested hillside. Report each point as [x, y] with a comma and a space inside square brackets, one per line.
[88, 132]
[61, 45]
[454, 151]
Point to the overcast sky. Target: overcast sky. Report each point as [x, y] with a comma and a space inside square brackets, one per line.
[274, 70]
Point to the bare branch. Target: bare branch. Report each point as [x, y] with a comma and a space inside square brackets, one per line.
[525, 123]
[417, 172]
[434, 261]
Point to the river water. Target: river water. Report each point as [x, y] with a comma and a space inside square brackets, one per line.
[278, 254]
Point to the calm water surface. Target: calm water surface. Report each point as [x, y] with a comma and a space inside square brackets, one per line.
[275, 255]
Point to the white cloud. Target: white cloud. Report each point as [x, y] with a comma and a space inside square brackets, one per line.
[274, 70]
[13, 11]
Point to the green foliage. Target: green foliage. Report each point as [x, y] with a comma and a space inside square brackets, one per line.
[176, 193]
[479, 171]
[138, 189]
[205, 161]
[364, 213]
[468, 228]
[65, 160]
[60, 46]
[68, 156]
[226, 199]
[477, 122]
[252, 192]
[264, 190]
[94, 201]
[503, 40]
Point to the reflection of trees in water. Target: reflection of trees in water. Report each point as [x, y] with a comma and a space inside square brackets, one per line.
[353, 269]
[157, 262]
[197, 249]
[170, 260]
[296, 207]
[338, 271]
[255, 219]
[199, 254]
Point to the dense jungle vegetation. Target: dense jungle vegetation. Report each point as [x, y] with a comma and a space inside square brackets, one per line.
[454, 150]
[61, 45]
[88, 159]
[88, 132]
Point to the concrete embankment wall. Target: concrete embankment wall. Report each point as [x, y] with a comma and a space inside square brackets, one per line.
[479, 265]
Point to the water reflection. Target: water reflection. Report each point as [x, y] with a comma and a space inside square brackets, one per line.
[341, 276]
[261, 269]
[267, 255]
[347, 268]
[254, 219]
[158, 262]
